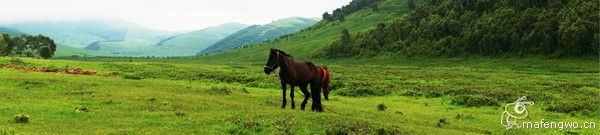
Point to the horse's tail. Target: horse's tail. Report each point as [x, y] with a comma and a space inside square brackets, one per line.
[325, 80]
[326, 77]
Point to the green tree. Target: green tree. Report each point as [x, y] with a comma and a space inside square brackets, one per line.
[20, 44]
[380, 34]
[7, 44]
[327, 17]
[375, 6]
[3, 46]
[45, 52]
[345, 38]
[411, 4]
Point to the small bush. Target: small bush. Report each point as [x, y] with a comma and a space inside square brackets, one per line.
[474, 100]
[132, 77]
[441, 122]
[179, 113]
[107, 101]
[52, 68]
[7, 132]
[111, 74]
[358, 89]
[381, 107]
[413, 93]
[21, 118]
[245, 127]
[244, 90]
[283, 126]
[355, 127]
[16, 61]
[461, 116]
[220, 90]
[573, 106]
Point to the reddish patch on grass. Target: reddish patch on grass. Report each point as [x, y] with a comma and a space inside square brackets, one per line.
[76, 71]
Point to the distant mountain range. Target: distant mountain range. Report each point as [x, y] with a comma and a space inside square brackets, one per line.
[80, 34]
[193, 42]
[12, 32]
[260, 33]
[127, 39]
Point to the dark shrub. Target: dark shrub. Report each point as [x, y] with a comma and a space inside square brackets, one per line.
[245, 127]
[16, 61]
[441, 122]
[21, 118]
[381, 107]
[358, 89]
[474, 100]
[220, 90]
[179, 114]
[573, 106]
[132, 77]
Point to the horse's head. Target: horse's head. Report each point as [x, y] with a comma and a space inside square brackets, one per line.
[273, 61]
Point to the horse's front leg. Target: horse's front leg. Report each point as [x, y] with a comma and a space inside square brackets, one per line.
[283, 85]
[292, 96]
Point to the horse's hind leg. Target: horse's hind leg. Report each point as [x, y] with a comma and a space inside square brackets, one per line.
[306, 96]
[292, 96]
[283, 85]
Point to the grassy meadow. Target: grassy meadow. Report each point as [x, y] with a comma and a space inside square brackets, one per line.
[389, 96]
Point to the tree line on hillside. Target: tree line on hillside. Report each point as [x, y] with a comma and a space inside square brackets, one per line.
[353, 6]
[556, 28]
[27, 45]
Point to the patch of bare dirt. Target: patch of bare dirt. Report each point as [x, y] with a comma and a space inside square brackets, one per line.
[77, 71]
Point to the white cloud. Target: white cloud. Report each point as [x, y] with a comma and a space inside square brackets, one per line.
[166, 14]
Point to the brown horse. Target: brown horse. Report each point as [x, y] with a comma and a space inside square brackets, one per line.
[296, 73]
[324, 81]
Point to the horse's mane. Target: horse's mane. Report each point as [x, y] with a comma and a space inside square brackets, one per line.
[281, 52]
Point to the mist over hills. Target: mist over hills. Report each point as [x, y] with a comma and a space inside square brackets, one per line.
[10, 31]
[260, 33]
[127, 39]
[82, 33]
[193, 42]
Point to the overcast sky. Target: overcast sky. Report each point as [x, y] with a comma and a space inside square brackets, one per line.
[166, 14]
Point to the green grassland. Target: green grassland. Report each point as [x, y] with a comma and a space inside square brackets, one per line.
[181, 96]
[67, 51]
[228, 93]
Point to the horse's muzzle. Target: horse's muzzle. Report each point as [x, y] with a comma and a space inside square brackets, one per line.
[268, 70]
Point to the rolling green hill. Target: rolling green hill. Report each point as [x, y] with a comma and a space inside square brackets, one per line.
[193, 42]
[489, 28]
[259, 33]
[307, 42]
[67, 51]
[10, 31]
